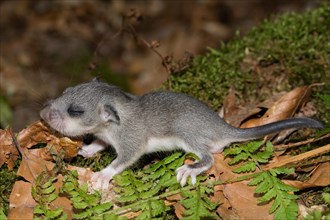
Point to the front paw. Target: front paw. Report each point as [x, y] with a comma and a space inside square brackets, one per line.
[100, 180]
[85, 153]
[88, 151]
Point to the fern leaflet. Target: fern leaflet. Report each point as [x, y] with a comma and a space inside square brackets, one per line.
[87, 205]
[272, 188]
[197, 204]
[44, 194]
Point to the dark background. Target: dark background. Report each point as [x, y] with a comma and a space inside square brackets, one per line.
[49, 45]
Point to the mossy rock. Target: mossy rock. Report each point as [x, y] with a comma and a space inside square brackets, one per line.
[290, 51]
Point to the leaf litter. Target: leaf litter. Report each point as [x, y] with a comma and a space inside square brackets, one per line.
[38, 144]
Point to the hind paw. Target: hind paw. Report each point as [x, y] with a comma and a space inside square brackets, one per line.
[184, 172]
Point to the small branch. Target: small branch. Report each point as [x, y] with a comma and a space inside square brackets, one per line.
[21, 151]
[295, 159]
[311, 140]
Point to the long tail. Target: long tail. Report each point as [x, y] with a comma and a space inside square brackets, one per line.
[263, 130]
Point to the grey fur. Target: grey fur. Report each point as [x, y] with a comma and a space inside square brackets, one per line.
[135, 125]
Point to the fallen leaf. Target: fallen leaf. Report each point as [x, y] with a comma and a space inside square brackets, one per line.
[69, 146]
[233, 114]
[238, 201]
[38, 133]
[8, 152]
[283, 161]
[283, 108]
[320, 177]
[34, 134]
[229, 106]
[32, 165]
[21, 202]
[84, 174]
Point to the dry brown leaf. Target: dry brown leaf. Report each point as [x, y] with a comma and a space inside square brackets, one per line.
[233, 114]
[284, 108]
[69, 146]
[8, 152]
[320, 177]
[179, 209]
[38, 133]
[238, 201]
[34, 134]
[283, 161]
[21, 201]
[34, 161]
[229, 103]
[56, 146]
[84, 174]
[32, 165]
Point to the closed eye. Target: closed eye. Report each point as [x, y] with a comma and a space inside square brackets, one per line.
[75, 111]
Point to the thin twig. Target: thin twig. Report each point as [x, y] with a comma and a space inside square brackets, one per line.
[290, 145]
[21, 151]
[295, 159]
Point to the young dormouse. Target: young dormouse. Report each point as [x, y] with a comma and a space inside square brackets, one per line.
[157, 121]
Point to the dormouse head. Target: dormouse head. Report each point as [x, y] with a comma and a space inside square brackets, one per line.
[83, 109]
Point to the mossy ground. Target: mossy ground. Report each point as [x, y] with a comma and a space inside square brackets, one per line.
[290, 51]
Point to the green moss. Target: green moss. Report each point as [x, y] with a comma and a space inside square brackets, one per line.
[7, 180]
[290, 51]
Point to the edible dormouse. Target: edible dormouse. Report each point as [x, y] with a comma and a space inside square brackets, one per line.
[156, 121]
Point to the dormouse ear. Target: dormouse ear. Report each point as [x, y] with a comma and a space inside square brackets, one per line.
[108, 113]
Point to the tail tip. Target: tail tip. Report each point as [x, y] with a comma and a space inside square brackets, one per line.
[316, 124]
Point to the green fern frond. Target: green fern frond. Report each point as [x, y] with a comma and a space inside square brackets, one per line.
[44, 194]
[268, 185]
[153, 191]
[262, 156]
[273, 189]
[326, 197]
[251, 151]
[172, 158]
[288, 209]
[264, 186]
[238, 158]
[258, 179]
[281, 170]
[233, 150]
[2, 214]
[252, 146]
[152, 209]
[197, 205]
[138, 189]
[123, 179]
[247, 167]
[87, 205]
[318, 214]
[157, 174]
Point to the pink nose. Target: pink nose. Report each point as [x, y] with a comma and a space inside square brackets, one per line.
[54, 114]
[49, 114]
